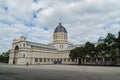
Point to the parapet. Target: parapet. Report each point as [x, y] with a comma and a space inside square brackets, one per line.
[22, 38]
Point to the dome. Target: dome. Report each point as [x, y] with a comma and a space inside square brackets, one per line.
[60, 28]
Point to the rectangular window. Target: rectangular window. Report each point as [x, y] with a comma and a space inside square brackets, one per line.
[51, 59]
[69, 60]
[60, 59]
[36, 59]
[64, 59]
[44, 60]
[48, 60]
[40, 60]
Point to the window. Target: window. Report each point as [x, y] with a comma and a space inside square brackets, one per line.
[51, 59]
[61, 45]
[48, 60]
[23, 55]
[69, 60]
[64, 36]
[36, 59]
[40, 60]
[64, 59]
[44, 60]
[23, 45]
[60, 59]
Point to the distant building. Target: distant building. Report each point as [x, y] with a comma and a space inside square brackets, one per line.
[100, 40]
[57, 52]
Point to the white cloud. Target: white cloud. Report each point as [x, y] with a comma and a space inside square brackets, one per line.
[85, 20]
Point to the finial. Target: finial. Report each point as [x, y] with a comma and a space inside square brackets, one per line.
[59, 21]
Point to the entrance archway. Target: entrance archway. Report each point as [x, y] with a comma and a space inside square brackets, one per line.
[15, 55]
[58, 61]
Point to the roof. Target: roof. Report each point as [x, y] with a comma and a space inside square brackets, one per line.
[60, 28]
[40, 45]
[71, 47]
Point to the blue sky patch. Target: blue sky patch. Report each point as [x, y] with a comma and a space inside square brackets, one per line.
[106, 27]
[34, 15]
[5, 8]
[37, 11]
[45, 28]
[30, 24]
[5, 22]
[35, 1]
[40, 9]
[110, 24]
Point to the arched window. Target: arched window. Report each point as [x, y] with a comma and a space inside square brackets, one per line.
[16, 49]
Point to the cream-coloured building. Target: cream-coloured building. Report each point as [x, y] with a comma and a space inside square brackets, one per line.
[57, 52]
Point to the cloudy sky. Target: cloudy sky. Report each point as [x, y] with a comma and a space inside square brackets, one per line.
[85, 20]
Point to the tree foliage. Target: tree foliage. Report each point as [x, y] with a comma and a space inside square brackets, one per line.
[89, 49]
[110, 38]
[4, 57]
[110, 46]
[82, 52]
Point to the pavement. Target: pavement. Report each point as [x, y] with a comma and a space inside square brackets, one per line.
[58, 72]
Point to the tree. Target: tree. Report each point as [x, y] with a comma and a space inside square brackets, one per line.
[115, 49]
[117, 43]
[101, 50]
[112, 44]
[74, 53]
[110, 38]
[109, 49]
[90, 49]
[4, 57]
[81, 54]
[77, 53]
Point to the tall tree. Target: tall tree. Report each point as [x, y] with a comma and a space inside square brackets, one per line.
[101, 50]
[74, 53]
[116, 46]
[110, 40]
[89, 49]
[113, 46]
[118, 41]
[78, 54]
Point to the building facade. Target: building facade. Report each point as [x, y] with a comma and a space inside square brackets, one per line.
[57, 52]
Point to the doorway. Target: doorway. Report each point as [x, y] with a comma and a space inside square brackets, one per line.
[58, 61]
[15, 55]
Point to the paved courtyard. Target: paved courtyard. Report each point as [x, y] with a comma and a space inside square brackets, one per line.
[58, 72]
